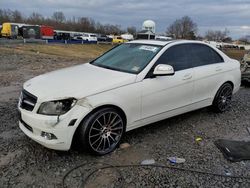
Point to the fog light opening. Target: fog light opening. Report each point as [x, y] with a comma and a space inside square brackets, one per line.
[48, 136]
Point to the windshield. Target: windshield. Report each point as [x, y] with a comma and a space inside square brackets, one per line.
[129, 57]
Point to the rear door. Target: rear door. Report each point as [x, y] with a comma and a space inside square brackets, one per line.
[167, 93]
[208, 69]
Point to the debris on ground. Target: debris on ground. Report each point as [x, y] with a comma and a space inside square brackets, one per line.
[124, 145]
[248, 129]
[228, 173]
[176, 160]
[148, 162]
[198, 139]
[234, 151]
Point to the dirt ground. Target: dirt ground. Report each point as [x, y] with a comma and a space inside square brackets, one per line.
[24, 163]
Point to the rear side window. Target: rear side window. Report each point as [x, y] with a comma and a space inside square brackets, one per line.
[200, 55]
[177, 57]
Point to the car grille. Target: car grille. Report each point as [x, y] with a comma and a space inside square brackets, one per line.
[27, 101]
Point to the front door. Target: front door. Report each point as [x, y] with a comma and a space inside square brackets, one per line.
[164, 94]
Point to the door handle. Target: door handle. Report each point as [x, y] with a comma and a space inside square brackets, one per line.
[187, 76]
[217, 69]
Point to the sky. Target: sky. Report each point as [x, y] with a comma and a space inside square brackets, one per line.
[208, 14]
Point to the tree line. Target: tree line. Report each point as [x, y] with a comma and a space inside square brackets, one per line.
[60, 22]
[183, 28]
[186, 28]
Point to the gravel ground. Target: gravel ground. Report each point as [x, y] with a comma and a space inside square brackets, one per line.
[24, 163]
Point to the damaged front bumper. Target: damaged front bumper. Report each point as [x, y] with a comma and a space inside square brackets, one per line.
[54, 132]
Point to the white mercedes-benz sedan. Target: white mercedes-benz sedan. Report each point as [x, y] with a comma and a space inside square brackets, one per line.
[132, 85]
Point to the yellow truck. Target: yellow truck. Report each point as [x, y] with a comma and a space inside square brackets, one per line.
[9, 30]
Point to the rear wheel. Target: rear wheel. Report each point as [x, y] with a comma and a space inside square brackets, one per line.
[102, 131]
[222, 100]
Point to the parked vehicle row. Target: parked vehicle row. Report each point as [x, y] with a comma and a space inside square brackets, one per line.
[26, 31]
[86, 37]
[15, 30]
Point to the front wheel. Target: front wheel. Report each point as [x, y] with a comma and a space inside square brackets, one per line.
[223, 98]
[102, 131]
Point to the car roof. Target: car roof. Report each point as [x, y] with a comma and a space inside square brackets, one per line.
[164, 42]
[152, 42]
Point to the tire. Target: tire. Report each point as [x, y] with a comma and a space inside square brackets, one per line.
[223, 97]
[101, 132]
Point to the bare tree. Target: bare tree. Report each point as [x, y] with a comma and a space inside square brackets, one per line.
[16, 16]
[217, 35]
[58, 21]
[35, 18]
[112, 29]
[131, 30]
[4, 15]
[183, 28]
[245, 39]
[58, 17]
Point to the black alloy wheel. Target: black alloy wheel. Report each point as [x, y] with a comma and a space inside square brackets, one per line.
[223, 98]
[102, 131]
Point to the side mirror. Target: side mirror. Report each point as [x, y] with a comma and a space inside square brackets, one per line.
[163, 70]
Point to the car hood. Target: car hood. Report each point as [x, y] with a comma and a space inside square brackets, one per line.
[78, 82]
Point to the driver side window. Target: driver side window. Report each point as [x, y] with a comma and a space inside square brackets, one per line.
[176, 56]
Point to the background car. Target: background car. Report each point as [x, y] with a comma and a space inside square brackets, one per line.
[103, 38]
[86, 37]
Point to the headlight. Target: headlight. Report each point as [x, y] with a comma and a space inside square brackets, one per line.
[58, 107]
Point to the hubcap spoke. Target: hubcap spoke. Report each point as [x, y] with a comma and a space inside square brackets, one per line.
[118, 128]
[99, 123]
[112, 138]
[104, 142]
[108, 141]
[104, 119]
[95, 135]
[116, 134]
[96, 129]
[116, 123]
[96, 141]
[113, 120]
[109, 118]
[99, 143]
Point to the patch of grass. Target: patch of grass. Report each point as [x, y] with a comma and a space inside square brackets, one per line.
[84, 51]
[235, 54]
[78, 51]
